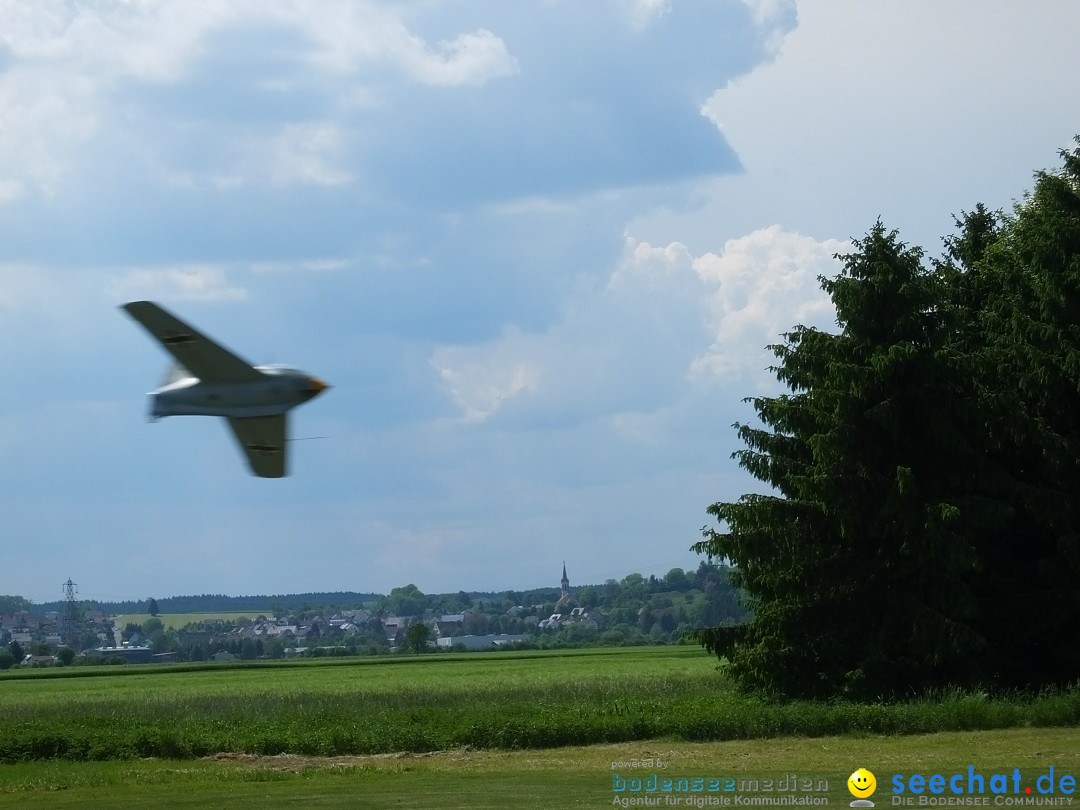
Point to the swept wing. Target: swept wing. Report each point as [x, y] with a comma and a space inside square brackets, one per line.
[262, 438]
[207, 360]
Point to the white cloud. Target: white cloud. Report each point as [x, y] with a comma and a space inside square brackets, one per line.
[306, 154]
[63, 60]
[763, 284]
[188, 282]
[69, 67]
[909, 111]
[352, 38]
[772, 19]
[482, 382]
[151, 41]
[159, 41]
[469, 59]
[664, 320]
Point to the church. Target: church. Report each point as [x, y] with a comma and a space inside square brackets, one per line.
[566, 602]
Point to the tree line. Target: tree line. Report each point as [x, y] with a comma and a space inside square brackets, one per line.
[922, 527]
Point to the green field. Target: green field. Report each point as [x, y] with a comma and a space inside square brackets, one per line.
[178, 620]
[377, 731]
[566, 777]
[362, 706]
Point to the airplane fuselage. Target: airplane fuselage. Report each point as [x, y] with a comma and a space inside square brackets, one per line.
[279, 390]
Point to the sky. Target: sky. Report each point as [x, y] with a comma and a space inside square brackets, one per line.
[537, 248]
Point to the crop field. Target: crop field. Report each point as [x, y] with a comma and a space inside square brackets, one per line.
[178, 620]
[418, 704]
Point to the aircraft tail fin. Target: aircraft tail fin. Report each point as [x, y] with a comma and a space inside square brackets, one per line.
[175, 372]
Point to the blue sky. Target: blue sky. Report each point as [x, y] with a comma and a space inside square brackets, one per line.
[537, 248]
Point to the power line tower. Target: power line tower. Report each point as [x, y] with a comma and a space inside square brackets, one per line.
[71, 612]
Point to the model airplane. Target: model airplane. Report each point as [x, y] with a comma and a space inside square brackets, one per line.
[212, 381]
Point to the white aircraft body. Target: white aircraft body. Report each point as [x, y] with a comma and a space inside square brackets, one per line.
[212, 381]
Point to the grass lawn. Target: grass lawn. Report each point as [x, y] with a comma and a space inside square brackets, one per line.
[562, 777]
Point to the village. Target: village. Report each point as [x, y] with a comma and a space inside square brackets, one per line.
[637, 610]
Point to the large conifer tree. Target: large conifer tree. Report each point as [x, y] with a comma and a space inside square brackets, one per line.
[924, 524]
[1028, 279]
[860, 565]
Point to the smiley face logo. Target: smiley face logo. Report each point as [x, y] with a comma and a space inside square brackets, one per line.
[862, 784]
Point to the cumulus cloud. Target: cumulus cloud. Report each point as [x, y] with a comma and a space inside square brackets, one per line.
[481, 382]
[351, 38]
[70, 70]
[62, 61]
[664, 322]
[763, 284]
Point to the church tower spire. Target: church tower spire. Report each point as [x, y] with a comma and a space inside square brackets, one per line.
[565, 580]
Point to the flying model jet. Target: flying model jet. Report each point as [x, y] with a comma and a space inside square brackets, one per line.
[209, 380]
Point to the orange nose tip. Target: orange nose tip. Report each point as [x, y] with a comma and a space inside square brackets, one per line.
[316, 386]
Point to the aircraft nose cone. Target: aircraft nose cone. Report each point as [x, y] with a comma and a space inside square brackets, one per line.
[316, 386]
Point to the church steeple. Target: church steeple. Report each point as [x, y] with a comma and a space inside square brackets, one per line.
[565, 580]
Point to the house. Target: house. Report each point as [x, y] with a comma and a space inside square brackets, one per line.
[348, 617]
[392, 625]
[448, 624]
[223, 655]
[554, 622]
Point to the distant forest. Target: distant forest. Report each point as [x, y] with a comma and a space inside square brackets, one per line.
[221, 603]
[302, 603]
